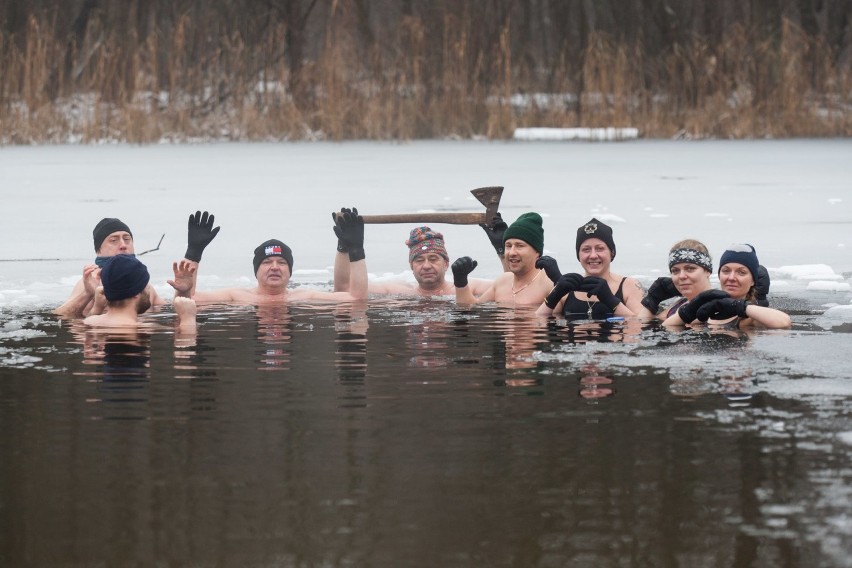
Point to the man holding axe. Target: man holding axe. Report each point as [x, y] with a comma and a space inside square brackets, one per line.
[427, 253]
[528, 280]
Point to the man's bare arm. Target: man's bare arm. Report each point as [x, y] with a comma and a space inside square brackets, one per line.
[82, 294]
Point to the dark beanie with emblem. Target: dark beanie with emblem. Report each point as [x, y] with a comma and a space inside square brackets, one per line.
[527, 228]
[273, 247]
[106, 227]
[123, 276]
[741, 254]
[595, 229]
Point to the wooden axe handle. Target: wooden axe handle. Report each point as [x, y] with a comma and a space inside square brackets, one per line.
[434, 217]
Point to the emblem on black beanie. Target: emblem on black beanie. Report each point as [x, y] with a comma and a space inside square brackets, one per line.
[590, 228]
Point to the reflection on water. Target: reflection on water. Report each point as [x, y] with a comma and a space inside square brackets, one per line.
[419, 433]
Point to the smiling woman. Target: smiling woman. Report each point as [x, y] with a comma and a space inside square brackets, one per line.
[738, 274]
[600, 293]
[690, 266]
[735, 305]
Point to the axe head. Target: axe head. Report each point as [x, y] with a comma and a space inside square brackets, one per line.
[490, 197]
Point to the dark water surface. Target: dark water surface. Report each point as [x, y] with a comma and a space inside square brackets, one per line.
[422, 434]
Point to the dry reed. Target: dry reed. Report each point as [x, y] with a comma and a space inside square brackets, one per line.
[179, 84]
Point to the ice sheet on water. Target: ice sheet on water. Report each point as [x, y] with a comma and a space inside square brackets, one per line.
[806, 272]
[814, 387]
[842, 313]
[832, 286]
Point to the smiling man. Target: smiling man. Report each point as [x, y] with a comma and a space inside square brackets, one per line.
[273, 268]
[429, 262]
[523, 284]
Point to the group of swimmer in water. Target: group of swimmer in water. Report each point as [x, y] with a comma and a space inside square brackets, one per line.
[116, 288]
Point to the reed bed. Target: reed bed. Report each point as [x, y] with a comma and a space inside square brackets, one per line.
[183, 82]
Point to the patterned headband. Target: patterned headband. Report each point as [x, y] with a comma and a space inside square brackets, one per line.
[691, 256]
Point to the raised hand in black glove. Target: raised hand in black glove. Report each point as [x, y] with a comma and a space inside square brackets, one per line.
[200, 232]
[689, 311]
[461, 268]
[564, 284]
[599, 287]
[661, 290]
[721, 309]
[342, 246]
[761, 287]
[551, 268]
[495, 229]
[349, 228]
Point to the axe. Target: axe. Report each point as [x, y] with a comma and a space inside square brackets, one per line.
[488, 196]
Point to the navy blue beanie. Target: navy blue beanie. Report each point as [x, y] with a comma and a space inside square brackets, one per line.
[123, 276]
[741, 254]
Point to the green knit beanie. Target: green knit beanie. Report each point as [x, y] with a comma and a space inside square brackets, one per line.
[527, 228]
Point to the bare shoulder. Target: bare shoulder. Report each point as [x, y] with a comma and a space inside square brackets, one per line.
[225, 295]
[154, 297]
[633, 286]
[478, 286]
[505, 279]
[308, 294]
[390, 288]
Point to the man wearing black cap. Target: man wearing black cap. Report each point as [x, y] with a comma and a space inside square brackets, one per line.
[124, 280]
[273, 267]
[111, 237]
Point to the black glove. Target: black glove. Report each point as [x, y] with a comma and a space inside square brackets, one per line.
[564, 284]
[723, 308]
[461, 268]
[761, 286]
[349, 228]
[495, 230]
[689, 311]
[342, 246]
[548, 263]
[594, 286]
[661, 290]
[199, 234]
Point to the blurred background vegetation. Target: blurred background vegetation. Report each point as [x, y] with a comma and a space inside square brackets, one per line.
[152, 70]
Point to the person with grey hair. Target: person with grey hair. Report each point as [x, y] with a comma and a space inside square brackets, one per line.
[273, 268]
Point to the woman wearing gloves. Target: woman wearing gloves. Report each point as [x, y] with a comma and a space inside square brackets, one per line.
[599, 293]
[739, 271]
[690, 267]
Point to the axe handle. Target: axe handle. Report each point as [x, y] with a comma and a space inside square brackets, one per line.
[435, 217]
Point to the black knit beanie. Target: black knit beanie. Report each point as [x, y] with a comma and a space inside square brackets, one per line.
[595, 229]
[106, 227]
[273, 247]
